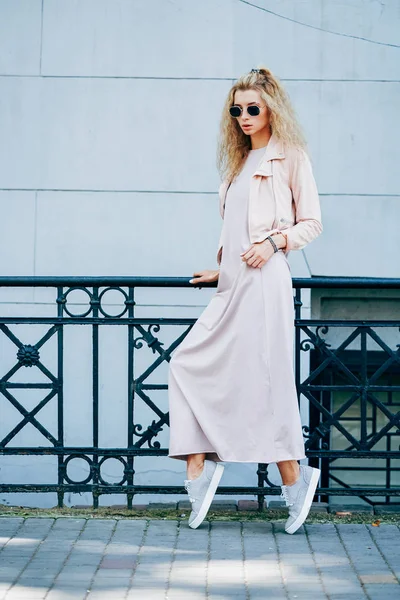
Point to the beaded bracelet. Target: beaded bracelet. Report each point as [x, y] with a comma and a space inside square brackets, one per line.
[275, 247]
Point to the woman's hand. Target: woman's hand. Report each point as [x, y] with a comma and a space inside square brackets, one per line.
[258, 254]
[206, 276]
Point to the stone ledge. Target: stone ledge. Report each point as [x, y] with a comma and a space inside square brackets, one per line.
[162, 505]
[319, 508]
[224, 505]
[225, 511]
[249, 505]
[118, 506]
[245, 505]
[354, 509]
[277, 504]
[387, 510]
[217, 504]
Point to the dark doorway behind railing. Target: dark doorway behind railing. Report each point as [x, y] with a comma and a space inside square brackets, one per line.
[347, 376]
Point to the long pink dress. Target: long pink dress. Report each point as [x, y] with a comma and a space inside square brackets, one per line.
[231, 383]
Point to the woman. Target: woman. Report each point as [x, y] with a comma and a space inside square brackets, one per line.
[231, 385]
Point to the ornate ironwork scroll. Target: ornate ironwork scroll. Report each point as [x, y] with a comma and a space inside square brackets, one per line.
[351, 390]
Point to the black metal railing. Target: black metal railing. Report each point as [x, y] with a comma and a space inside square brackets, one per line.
[347, 377]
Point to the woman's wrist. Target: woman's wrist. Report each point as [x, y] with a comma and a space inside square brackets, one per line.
[279, 239]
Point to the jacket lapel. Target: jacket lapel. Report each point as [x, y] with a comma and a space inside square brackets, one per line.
[274, 149]
[223, 188]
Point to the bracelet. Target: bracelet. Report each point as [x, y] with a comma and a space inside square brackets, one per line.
[275, 247]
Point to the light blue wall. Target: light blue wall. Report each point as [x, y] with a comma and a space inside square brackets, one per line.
[109, 114]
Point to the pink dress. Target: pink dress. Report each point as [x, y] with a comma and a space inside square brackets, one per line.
[231, 383]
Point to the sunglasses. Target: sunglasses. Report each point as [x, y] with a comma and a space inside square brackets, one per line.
[253, 110]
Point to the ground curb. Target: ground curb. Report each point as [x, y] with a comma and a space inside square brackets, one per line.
[246, 510]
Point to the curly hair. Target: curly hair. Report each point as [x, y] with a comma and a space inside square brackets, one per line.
[233, 144]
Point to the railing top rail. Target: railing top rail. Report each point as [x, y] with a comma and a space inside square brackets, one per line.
[125, 281]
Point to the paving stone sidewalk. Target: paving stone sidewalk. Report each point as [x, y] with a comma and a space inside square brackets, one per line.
[92, 559]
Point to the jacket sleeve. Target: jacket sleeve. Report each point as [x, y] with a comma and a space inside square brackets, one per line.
[219, 252]
[308, 223]
[221, 211]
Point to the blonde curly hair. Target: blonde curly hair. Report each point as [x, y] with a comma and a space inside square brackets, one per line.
[233, 144]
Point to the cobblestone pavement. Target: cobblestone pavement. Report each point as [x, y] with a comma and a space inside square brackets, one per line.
[69, 558]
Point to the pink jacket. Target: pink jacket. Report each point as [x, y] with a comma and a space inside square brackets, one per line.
[283, 197]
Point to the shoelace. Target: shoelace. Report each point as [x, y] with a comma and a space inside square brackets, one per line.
[285, 495]
[188, 489]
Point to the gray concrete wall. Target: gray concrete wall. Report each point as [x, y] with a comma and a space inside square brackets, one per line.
[109, 113]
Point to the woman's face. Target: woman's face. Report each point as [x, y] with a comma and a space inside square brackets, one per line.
[251, 125]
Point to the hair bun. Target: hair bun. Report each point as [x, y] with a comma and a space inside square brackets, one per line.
[262, 71]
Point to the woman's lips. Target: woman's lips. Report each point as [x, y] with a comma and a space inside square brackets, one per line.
[246, 126]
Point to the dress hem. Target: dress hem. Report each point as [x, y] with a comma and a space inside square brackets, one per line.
[183, 456]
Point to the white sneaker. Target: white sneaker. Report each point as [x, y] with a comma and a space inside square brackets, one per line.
[201, 491]
[299, 496]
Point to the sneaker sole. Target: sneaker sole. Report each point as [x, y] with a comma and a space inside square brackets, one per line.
[307, 503]
[212, 488]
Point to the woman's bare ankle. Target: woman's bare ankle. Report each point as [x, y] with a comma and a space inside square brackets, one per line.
[290, 471]
[195, 465]
[194, 473]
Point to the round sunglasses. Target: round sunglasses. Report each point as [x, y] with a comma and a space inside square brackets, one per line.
[253, 110]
